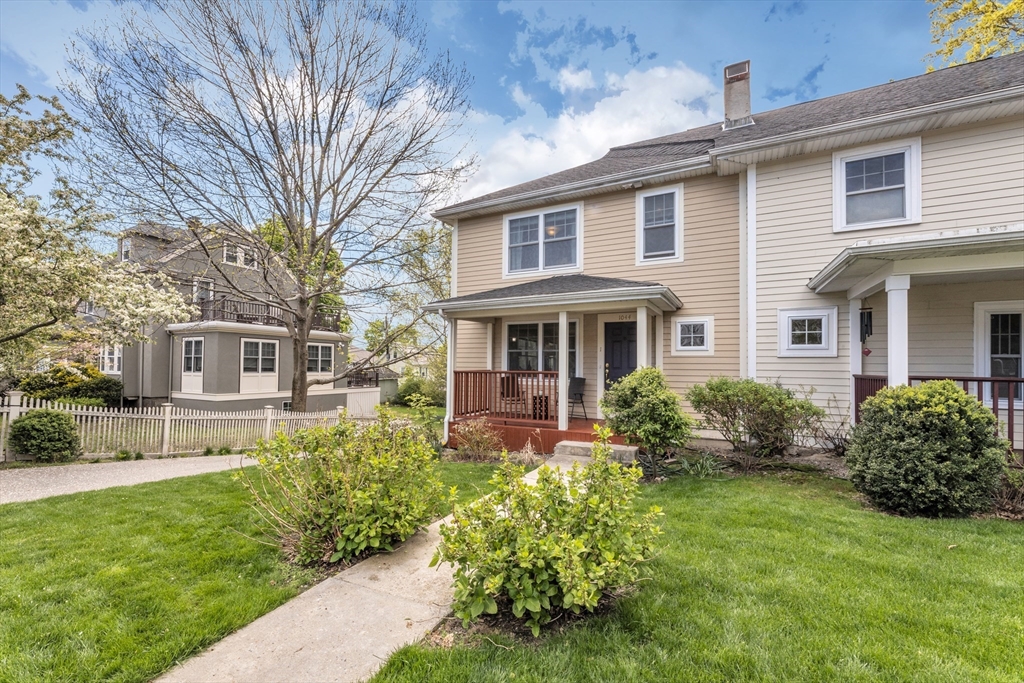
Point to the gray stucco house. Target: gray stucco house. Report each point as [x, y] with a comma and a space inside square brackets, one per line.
[233, 354]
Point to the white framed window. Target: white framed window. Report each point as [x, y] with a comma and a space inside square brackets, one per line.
[808, 331]
[125, 249]
[192, 365]
[542, 241]
[202, 290]
[88, 307]
[110, 359]
[693, 336]
[320, 360]
[259, 366]
[533, 346]
[659, 225]
[998, 328]
[286, 406]
[877, 186]
[239, 256]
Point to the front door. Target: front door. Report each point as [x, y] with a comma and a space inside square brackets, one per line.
[619, 351]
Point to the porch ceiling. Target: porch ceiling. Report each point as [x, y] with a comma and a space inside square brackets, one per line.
[561, 292]
[987, 253]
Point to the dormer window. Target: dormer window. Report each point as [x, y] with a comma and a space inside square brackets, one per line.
[543, 241]
[239, 256]
[126, 249]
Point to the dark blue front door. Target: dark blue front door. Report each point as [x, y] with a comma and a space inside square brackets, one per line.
[619, 351]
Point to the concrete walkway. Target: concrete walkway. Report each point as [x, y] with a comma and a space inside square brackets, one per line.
[33, 483]
[344, 628]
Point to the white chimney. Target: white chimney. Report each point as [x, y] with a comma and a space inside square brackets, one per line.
[737, 96]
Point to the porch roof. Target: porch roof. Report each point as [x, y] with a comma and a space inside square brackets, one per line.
[569, 291]
[865, 264]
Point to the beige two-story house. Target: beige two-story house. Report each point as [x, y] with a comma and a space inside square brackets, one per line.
[836, 246]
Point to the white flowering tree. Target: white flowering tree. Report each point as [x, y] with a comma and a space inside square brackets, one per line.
[48, 267]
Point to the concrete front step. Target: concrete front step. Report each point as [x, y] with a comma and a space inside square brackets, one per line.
[582, 448]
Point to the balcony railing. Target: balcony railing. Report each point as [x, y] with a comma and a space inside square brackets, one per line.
[253, 313]
[1002, 394]
[513, 395]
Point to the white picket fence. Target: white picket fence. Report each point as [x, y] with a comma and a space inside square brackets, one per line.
[167, 429]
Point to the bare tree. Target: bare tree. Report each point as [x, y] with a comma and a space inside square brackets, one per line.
[329, 119]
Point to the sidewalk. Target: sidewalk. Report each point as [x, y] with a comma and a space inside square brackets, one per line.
[345, 627]
[33, 483]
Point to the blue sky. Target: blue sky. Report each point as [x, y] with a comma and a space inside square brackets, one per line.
[557, 83]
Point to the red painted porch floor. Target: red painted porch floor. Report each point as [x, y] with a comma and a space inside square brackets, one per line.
[516, 433]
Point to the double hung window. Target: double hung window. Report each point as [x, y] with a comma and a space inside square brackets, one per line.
[320, 358]
[1005, 350]
[110, 359]
[877, 186]
[192, 355]
[534, 346]
[659, 225]
[259, 357]
[543, 241]
[239, 256]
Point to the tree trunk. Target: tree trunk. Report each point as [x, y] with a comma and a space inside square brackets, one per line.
[300, 355]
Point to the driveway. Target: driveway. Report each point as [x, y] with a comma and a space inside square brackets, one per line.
[33, 483]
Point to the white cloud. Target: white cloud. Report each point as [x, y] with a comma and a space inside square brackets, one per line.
[640, 105]
[569, 80]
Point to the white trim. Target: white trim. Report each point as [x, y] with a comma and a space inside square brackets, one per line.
[652, 294]
[898, 332]
[454, 281]
[677, 197]
[125, 241]
[118, 359]
[829, 328]
[911, 148]
[751, 270]
[709, 336]
[254, 329]
[194, 378]
[262, 395]
[241, 252]
[195, 288]
[541, 270]
[259, 378]
[856, 347]
[659, 341]
[643, 344]
[450, 377]
[540, 340]
[490, 346]
[563, 365]
[983, 310]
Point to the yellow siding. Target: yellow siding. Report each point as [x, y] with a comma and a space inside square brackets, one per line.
[471, 351]
[972, 176]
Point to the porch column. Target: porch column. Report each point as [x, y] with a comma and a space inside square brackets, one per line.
[856, 351]
[563, 370]
[896, 287]
[449, 402]
[643, 343]
[490, 346]
[659, 341]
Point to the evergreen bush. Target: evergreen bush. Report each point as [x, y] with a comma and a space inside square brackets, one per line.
[46, 435]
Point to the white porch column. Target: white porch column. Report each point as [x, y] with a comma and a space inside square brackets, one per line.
[659, 341]
[643, 343]
[563, 370]
[490, 346]
[856, 351]
[896, 287]
[450, 379]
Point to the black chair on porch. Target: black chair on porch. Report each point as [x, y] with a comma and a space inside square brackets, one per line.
[576, 396]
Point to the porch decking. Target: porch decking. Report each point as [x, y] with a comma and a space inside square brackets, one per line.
[543, 435]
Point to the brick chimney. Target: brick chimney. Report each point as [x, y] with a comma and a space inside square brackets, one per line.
[737, 96]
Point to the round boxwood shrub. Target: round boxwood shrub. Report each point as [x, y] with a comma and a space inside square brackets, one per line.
[48, 435]
[927, 450]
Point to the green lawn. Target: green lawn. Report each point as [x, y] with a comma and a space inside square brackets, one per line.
[769, 579]
[117, 585]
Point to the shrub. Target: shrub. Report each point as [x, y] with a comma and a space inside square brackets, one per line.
[73, 381]
[94, 402]
[428, 422]
[926, 450]
[331, 494]
[409, 386]
[48, 435]
[224, 450]
[758, 419]
[643, 409]
[1010, 494]
[559, 545]
[477, 439]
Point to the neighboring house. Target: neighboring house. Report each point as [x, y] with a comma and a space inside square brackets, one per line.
[384, 377]
[837, 245]
[234, 354]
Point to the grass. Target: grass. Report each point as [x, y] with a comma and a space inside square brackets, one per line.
[119, 584]
[410, 413]
[784, 578]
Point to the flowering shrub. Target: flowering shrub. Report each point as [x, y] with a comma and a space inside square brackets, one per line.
[558, 545]
[927, 450]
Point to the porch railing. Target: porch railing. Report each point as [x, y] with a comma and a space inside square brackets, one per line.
[254, 313]
[1002, 395]
[522, 395]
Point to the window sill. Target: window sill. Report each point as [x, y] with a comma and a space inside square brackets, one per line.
[659, 261]
[876, 224]
[691, 352]
[522, 274]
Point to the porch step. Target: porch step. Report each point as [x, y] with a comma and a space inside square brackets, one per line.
[582, 448]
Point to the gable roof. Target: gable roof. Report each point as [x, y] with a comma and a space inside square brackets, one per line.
[699, 144]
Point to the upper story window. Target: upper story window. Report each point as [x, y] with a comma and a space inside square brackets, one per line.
[110, 359]
[543, 241]
[239, 256]
[877, 186]
[808, 331]
[126, 248]
[202, 290]
[659, 225]
[320, 358]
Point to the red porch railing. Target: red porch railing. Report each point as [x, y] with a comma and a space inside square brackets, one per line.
[1001, 394]
[519, 395]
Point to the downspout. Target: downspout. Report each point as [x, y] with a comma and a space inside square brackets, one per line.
[142, 365]
[170, 364]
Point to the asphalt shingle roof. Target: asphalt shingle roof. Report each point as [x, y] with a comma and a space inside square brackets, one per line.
[559, 284]
[947, 84]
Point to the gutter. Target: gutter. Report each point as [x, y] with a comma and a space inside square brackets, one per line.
[621, 294]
